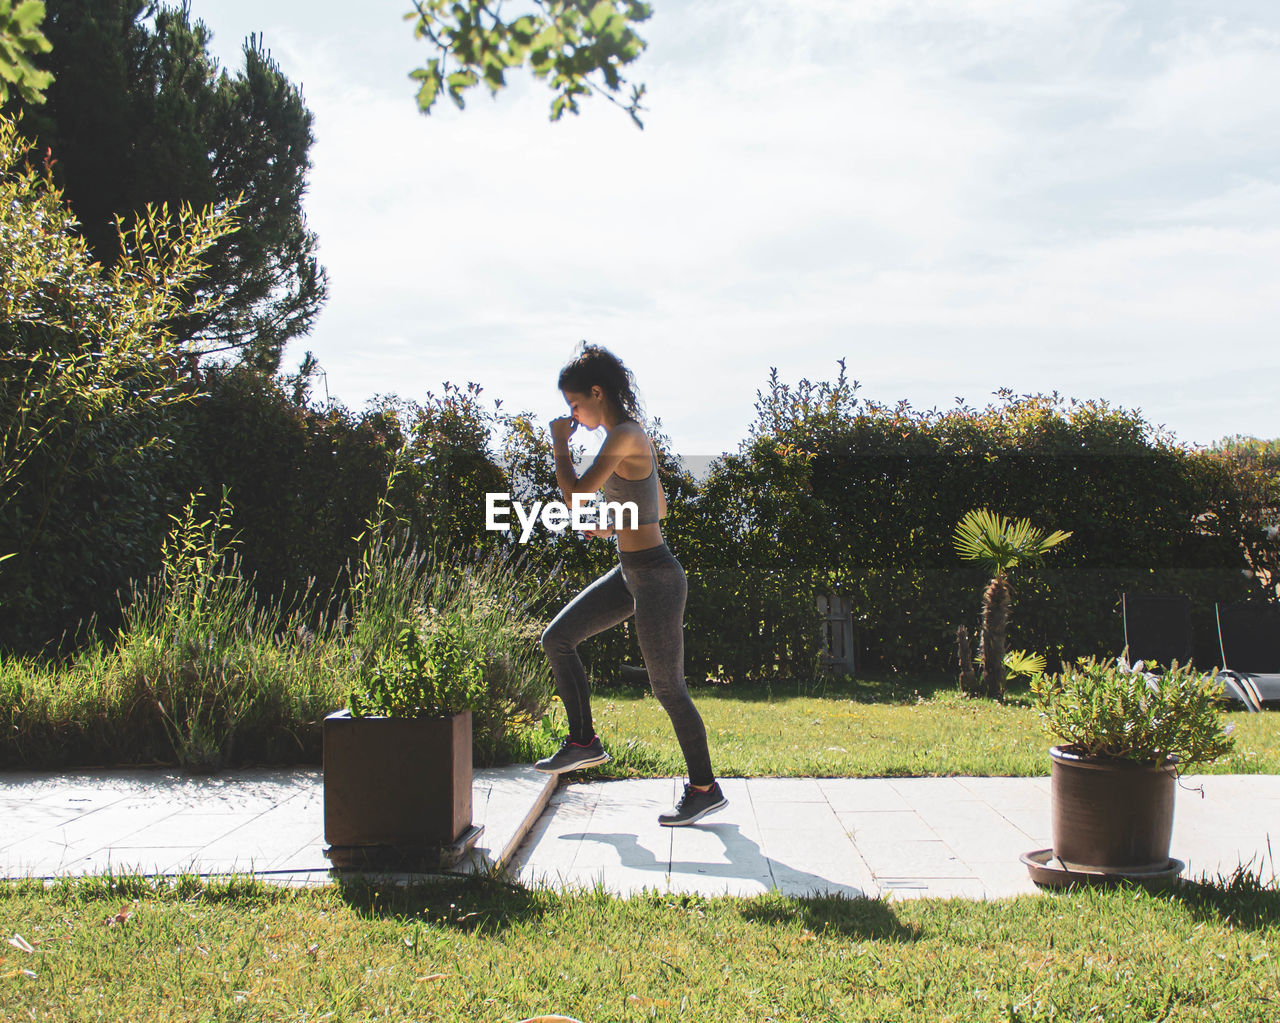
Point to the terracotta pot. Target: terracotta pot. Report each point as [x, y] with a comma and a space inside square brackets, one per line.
[404, 783]
[1110, 813]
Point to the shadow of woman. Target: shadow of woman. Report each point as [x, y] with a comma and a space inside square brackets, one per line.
[790, 893]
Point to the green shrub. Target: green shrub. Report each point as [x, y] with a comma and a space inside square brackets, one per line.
[89, 367]
[204, 673]
[837, 494]
[432, 671]
[1102, 708]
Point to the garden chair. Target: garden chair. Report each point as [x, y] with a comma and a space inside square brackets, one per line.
[1249, 637]
[1158, 628]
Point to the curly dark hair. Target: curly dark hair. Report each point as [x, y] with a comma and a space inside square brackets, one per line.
[599, 366]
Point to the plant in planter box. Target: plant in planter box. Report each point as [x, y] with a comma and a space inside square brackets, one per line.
[1123, 734]
[431, 672]
[397, 763]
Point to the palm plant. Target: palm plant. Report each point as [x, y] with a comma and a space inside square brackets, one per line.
[999, 544]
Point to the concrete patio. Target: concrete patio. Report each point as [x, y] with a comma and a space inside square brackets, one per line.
[899, 837]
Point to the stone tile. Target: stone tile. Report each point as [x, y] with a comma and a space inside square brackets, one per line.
[787, 833]
[1004, 877]
[623, 881]
[308, 855]
[19, 827]
[638, 808]
[65, 805]
[933, 888]
[737, 790]
[785, 790]
[265, 840]
[862, 794]
[556, 847]
[922, 792]
[542, 875]
[1008, 793]
[197, 861]
[886, 825]
[82, 835]
[230, 792]
[575, 800]
[39, 857]
[186, 828]
[978, 845]
[711, 882]
[825, 845]
[507, 802]
[620, 848]
[905, 860]
[971, 828]
[1035, 824]
[726, 854]
[800, 816]
[851, 879]
[1243, 788]
[711, 838]
[79, 798]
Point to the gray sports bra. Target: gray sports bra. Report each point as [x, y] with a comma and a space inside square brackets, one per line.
[643, 492]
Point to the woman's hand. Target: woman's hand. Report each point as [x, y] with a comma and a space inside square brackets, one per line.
[605, 531]
[562, 428]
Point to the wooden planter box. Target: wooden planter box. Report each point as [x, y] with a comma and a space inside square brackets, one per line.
[397, 792]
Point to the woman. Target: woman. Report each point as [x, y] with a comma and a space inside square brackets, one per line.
[648, 581]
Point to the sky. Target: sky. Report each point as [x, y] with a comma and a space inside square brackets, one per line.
[954, 196]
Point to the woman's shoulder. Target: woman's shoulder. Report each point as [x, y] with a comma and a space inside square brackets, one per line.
[632, 430]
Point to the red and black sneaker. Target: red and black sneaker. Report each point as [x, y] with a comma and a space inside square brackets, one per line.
[574, 755]
[694, 805]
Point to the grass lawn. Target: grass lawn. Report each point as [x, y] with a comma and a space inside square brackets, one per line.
[864, 728]
[481, 950]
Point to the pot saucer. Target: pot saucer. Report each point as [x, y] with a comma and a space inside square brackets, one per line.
[1046, 869]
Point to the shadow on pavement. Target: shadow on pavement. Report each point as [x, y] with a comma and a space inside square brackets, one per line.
[818, 902]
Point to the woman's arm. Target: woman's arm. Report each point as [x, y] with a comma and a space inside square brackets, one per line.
[619, 443]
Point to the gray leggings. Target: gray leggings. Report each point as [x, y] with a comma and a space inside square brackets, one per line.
[650, 584]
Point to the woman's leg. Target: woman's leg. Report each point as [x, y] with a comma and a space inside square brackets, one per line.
[601, 605]
[660, 587]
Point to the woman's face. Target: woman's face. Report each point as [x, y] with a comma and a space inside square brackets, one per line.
[587, 409]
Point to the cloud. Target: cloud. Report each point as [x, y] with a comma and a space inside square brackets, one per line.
[957, 195]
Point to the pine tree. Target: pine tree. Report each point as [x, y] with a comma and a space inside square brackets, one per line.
[139, 112]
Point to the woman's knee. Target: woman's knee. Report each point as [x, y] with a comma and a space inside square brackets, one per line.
[555, 640]
[672, 695]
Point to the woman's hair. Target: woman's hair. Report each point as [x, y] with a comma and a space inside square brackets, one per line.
[596, 365]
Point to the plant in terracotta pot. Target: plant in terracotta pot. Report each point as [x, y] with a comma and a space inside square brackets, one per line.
[397, 762]
[1124, 734]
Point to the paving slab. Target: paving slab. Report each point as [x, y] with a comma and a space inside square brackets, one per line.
[268, 822]
[891, 837]
[897, 838]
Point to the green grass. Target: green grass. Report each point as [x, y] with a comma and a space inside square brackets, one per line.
[864, 728]
[481, 950]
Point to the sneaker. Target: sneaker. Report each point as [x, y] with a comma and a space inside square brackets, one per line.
[573, 755]
[694, 805]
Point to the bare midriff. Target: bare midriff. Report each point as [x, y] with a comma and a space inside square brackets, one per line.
[641, 538]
